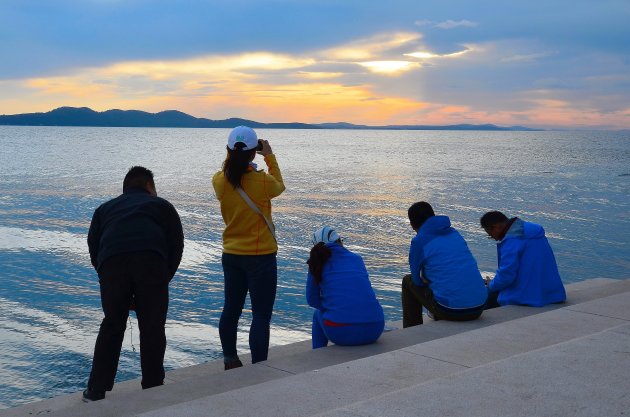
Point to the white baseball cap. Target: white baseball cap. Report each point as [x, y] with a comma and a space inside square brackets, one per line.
[324, 235]
[244, 135]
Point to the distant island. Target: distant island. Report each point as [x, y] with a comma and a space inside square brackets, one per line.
[84, 116]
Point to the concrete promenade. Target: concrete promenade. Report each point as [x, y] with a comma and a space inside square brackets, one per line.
[571, 359]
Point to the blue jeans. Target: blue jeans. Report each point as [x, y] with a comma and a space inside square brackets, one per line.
[257, 274]
[346, 335]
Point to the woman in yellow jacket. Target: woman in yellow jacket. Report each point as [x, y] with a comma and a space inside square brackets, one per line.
[249, 245]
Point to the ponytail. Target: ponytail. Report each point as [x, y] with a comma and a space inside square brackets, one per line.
[318, 258]
[236, 163]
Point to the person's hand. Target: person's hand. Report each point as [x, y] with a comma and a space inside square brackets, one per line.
[266, 148]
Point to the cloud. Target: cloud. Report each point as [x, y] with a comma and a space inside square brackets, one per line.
[389, 67]
[70, 86]
[429, 55]
[211, 65]
[370, 70]
[526, 57]
[324, 85]
[318, 75]
[365, 49]
[423, 22]
[451, 24]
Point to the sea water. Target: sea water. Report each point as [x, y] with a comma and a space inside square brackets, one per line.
[360, 182]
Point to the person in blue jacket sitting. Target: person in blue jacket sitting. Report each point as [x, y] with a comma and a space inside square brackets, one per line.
[338, 287]
[444, 275]
[527, 272]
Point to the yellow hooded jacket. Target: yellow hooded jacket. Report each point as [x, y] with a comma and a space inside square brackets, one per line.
[246, 233]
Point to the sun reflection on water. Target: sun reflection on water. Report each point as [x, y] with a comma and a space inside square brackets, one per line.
[359, 182]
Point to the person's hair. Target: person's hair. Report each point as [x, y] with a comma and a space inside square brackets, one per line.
[320, 254]
[491, 218]
[236, 163]
[138, 177]
[419, 213]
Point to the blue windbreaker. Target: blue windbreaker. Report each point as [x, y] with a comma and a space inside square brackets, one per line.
[440, 254]
[527, 273]
[345, 294]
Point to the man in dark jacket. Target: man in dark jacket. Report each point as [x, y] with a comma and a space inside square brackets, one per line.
[527, 272]
[136, 243]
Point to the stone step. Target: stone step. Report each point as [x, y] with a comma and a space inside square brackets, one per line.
[337, 389]
[208, 379]
[581, 377]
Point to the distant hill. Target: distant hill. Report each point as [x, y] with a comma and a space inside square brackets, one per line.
[84, 116]
[344, 125]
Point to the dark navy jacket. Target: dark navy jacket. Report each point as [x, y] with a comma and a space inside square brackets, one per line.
[136, 221]
[440, 255]
[527, 273]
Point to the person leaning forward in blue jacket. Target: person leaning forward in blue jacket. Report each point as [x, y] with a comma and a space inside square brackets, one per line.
[338, 287]
[444, 275]
[527, 273]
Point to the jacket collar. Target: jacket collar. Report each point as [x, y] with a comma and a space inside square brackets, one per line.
[507, 228]
[135, 190]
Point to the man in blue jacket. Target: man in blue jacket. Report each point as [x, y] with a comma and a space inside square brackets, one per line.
[527, 273]
[136, 243]
[444, 275]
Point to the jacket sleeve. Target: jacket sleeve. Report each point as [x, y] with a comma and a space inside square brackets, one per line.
[175, 239]
[218, 185]
[416, 261]
[508, 265]
[94, 238]
[313, 296]
[274, 186]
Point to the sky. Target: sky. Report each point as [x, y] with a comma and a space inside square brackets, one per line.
[546, 64]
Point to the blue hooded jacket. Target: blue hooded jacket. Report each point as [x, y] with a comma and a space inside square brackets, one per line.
[440, 254]
[345, 294]
[527, 272]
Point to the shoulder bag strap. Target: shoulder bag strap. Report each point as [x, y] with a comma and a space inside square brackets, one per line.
[250, 203]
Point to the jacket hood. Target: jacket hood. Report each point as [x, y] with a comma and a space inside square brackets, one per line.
[335, 246]
[525, 230]
[533, 230]
[436, 225]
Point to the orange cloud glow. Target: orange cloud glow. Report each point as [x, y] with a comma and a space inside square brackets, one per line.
[66, 86]
[258, 85]
[390, 67]
[365, 49]
[351, 82]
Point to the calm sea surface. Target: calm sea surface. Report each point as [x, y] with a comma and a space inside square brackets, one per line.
[576, 184]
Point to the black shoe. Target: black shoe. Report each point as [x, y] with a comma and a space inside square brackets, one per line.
[233, 364]
[89, 395]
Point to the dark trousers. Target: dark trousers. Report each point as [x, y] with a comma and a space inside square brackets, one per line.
[493, 300]
[144, 277]
[257, 274]
[415, 297]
